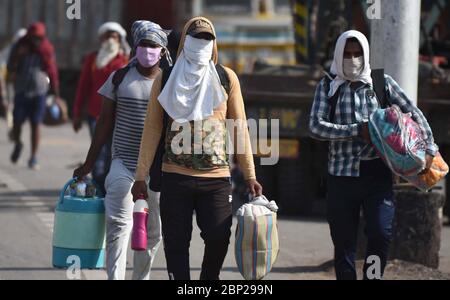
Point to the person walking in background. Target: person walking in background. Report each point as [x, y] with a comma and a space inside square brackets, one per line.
[32, 67]
[126, 94]
[98, 66]
[7, 93]
[358, 178]
[200, 182]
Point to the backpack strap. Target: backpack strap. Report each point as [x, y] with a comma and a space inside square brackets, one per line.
[165, 76]
[333, 99]
[118, 78]
[379, 87]
[224, 79]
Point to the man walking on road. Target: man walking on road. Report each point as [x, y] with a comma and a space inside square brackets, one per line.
[30, 66]
[199, 94]
[357, 176]
[126, 97]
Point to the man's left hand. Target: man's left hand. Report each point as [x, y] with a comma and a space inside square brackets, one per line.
[428, 163]
[254, 187]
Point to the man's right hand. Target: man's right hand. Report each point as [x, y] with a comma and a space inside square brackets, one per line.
[76, 124]
[82, 171]
[139, 188]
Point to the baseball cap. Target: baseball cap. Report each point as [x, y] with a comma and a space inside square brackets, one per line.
[199, 26]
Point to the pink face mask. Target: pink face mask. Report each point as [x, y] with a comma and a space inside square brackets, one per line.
[148, 57]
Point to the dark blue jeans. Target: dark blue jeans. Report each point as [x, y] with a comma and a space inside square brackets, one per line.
[372, 192]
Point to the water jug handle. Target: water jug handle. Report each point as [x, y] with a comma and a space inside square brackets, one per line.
[64, 189]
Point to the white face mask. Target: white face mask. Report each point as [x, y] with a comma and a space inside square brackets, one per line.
[111, 45]
[198, 51]
[353, 67]
[109, 50]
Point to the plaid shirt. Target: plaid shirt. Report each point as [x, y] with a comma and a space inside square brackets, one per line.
[353, 108]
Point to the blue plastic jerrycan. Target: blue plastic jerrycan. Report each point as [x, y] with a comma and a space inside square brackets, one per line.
[79, 231]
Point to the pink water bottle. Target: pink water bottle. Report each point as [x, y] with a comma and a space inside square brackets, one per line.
[140, 217]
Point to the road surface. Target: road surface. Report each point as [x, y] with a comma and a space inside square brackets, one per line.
[28, 198]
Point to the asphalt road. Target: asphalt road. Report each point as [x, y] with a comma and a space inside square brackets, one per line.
[28, 199]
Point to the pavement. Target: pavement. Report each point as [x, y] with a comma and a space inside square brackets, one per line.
[28, 199]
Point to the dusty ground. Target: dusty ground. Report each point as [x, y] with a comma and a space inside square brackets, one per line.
[401, 270]
[397, 270]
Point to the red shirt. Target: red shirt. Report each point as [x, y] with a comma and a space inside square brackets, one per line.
[91, 81]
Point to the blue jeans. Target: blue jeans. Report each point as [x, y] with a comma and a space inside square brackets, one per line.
[103, 162]
[372, 192]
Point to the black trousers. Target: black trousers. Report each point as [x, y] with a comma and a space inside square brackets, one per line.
[210, 199]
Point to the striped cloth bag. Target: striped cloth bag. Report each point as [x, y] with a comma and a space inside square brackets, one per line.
[257, 244]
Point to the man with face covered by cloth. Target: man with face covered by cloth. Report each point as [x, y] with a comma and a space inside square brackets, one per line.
[123, 113]
[196, 180]
[357, 177]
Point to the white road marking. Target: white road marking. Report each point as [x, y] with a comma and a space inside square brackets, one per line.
[28, 199]
[12, 184]
[33, 204]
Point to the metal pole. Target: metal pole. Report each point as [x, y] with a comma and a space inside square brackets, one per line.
[395, 42]
[197, 8]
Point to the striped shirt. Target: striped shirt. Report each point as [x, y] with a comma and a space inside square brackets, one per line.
[353, 108]
[132, 98]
